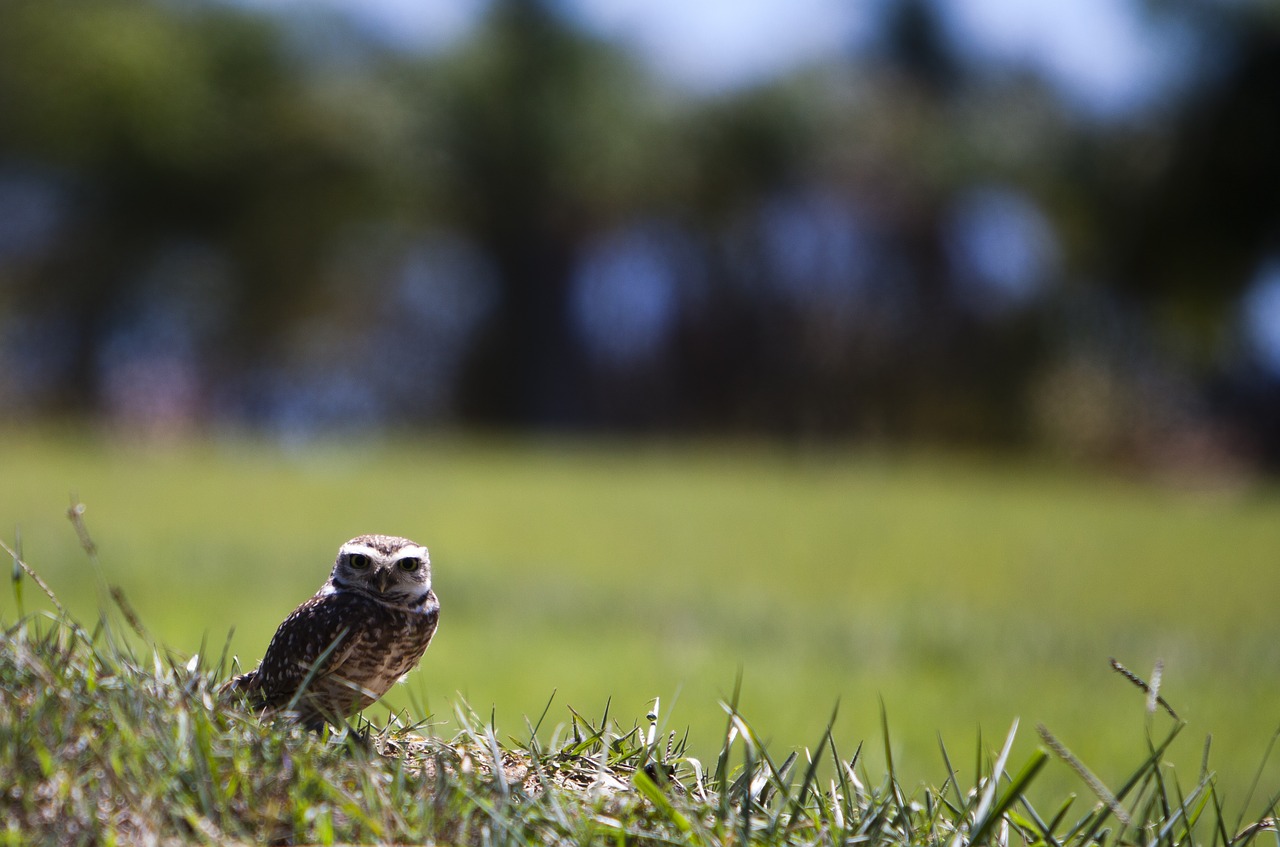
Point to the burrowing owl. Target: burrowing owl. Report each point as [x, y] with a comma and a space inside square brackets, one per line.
[346, 646]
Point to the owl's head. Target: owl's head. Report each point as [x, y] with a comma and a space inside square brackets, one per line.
[395, 570]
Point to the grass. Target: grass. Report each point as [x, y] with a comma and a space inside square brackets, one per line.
[961, 593]
[106, 738]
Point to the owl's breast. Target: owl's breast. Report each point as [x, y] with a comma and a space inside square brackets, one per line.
[391, 642]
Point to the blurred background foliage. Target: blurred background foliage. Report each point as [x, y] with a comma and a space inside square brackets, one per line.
[213, 216]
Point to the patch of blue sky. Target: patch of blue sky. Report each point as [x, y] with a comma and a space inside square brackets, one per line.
[625, 297]
[1109, 58]
[1001, 246]
[712, 46]
[817, 246]
[1261, 316]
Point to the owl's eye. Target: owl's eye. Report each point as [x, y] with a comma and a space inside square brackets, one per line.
[408, 565]
[358, 561]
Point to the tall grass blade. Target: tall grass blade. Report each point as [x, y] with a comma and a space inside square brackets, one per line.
[1095, 785]
[989, 811]
[811, 772]
[647, 787]
[543, 716]
[16, 576]
[899, 800]
[126, 609]
[988, 795]
[1257, 777]
[1045, 829]
[888, 747]
[720, 778]
[951, 779]
[1142, 684]
[18, 562]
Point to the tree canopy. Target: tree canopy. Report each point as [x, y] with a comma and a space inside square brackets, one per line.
[216, 217]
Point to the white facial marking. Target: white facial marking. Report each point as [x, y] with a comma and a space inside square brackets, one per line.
[413, 550]
[376, 555]
[349, 548]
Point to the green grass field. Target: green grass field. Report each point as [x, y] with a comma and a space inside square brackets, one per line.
[964, 593]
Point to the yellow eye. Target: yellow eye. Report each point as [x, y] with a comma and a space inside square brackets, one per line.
[358, 561]
[408, 565]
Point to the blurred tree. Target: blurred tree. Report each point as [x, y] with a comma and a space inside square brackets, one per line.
[1192, 213]
[171, 128]
[896, 245]
[542, 133]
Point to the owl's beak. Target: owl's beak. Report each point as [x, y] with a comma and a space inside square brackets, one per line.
[383, 580]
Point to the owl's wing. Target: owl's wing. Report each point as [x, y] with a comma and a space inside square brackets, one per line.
[320, 634]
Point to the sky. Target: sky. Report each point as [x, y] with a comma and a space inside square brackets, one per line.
[1261, 316]
[1103, 56]
[716, 45]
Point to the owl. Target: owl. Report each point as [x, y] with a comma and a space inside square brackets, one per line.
[366, 627]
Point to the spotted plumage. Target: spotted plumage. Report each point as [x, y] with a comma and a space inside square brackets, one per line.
[366, 627]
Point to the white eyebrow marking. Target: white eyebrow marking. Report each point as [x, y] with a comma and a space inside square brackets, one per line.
[349, 548]
[378, 555]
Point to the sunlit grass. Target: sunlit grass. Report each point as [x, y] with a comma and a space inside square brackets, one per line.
[964, 593]
[108, 737]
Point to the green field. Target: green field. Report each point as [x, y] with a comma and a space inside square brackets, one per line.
[963, 593]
